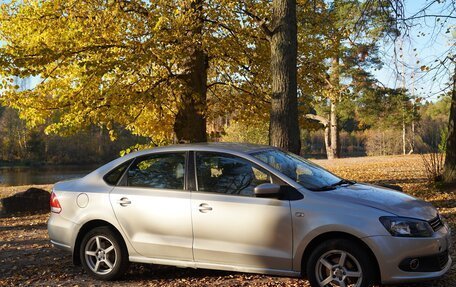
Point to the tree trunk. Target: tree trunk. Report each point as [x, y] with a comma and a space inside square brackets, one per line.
[412, 137]
[334, 150]
[190, 120]
[449, 170]
[328, 142]
[404, 137]
[284, 127]
[334, 131]
[100, 142]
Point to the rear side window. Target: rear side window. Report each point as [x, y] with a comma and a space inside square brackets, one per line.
[112, 178]
[165, 171]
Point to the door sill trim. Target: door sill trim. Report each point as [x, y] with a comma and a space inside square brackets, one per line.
[215, 266]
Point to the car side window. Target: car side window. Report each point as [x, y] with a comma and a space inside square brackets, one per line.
[164, 171]
[223, 173]
[112, 177]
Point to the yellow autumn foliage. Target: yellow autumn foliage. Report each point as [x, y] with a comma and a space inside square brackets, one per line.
[119, 62]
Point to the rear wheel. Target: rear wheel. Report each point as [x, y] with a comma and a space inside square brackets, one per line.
[340, 262]
[103, 254]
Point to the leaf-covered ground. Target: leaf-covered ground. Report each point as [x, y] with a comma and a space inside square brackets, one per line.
[28, 259]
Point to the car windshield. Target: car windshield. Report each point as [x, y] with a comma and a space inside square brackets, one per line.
[304, 172]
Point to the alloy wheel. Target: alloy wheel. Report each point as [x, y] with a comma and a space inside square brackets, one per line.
[100, 254]
[338, 268]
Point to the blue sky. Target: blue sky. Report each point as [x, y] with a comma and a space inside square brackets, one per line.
[419, 49]
[426, 42]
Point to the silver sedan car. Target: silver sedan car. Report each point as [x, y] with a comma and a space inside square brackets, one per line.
[247, 208]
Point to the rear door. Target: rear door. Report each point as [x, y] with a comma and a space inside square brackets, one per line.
[153, 208]
[230, 225]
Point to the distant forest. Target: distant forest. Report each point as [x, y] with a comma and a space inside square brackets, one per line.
[20, 145]
[425, 133]
[385, 129]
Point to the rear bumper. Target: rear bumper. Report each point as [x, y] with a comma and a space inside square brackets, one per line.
[392, 251]
[61, 246]
[61, 231]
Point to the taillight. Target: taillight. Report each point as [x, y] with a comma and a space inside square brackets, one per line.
[55, 204]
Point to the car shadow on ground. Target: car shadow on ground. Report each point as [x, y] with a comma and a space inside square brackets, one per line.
[162, 272]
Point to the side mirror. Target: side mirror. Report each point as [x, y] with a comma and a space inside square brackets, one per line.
[267, 190]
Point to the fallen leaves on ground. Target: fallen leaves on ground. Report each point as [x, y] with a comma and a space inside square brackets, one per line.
[27, 258]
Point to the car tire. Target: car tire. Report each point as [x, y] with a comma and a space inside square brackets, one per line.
[325, 269]
[103, 254]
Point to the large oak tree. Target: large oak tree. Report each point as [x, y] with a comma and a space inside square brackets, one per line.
[284, 126]
[143, 65]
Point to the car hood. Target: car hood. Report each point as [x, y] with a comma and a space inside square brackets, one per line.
[385, 199]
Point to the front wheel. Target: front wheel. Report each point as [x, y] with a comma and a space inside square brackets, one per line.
[340, 262]
[103, 254]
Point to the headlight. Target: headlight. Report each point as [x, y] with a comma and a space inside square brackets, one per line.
[406, 227]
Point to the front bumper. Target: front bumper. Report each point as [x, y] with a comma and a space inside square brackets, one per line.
[392, 251]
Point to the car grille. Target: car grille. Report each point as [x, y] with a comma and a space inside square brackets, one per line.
[436, 223]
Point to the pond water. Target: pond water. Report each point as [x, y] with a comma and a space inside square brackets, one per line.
[12, 176]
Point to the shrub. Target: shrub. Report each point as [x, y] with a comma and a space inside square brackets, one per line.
[433, 165]
[244, 132]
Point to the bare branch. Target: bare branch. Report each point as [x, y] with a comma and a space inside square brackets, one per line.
[426, 16]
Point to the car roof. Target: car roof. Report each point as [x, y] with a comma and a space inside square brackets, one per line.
[240, 148]
[246, 148]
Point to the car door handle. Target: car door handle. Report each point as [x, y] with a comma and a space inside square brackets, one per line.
[124, 201]
[204, 207]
